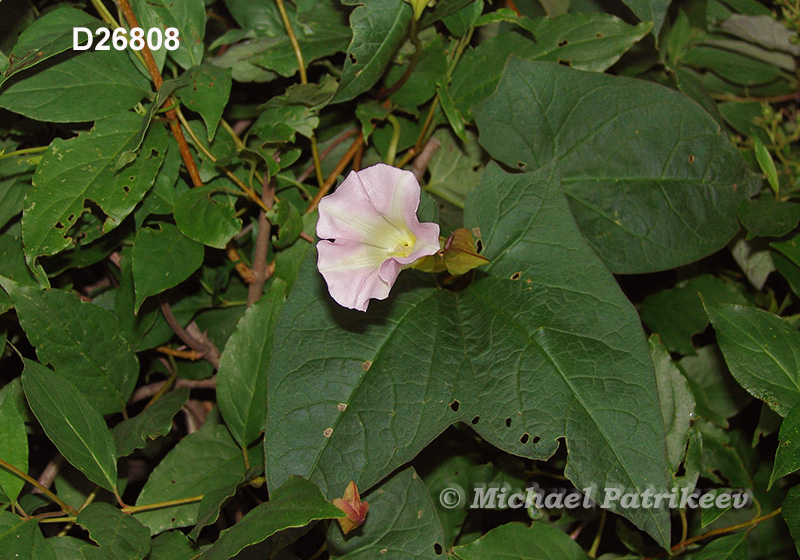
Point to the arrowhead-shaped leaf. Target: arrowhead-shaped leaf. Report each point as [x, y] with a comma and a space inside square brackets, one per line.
[542, 346]
[652, 181]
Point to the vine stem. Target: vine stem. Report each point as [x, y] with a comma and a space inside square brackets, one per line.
[303, 80]
[596, 542]
[351, 152]
[66, 508]
[35, 150]
[127, 509]
[155, 75]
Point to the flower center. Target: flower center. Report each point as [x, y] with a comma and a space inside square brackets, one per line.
[404, 246]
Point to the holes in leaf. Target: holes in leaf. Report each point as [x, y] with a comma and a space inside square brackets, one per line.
[154, 153]
[516, 275]
[691, 158]
[525, 437]
[536, 439]
[479, 245]
[353, 59]
[563, 43]
[437, 548]
[563, 62]
[508, 422]
[59, 225]
[126, 189]
[454, 405]
[366, 365]
[599, 35]
[476, 420]
[522, 165]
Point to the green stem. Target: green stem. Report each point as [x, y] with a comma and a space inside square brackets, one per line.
[160, 505]
[596, 543]
[392, 153]
[66, 508]
[412, 35]
[24, 151]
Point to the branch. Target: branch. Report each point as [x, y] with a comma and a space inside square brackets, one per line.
[192, 336]
[261, 269]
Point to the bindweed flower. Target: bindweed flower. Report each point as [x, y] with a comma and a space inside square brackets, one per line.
[369, 232]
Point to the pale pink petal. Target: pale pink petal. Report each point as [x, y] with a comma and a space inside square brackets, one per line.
[352, 273]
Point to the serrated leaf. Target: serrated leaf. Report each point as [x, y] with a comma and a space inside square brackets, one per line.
[760, 349]
[787, 457]
[21, 538]
[652, 181]
[514, 540]
[162, 258]
[119, 536]
[401, 516]
[379, 28]
[82, 169]
[244, 366]
[72, 424]
[677, 401]
[48, 36]
[82, 340]
[528, 341]
[72, 87]
[13, 446]
[207, 93]
[207, 216]
[201, 462]
[187, 16]
[296, 503]
[152, 422]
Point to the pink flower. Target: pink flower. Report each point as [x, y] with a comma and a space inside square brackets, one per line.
[369, 232]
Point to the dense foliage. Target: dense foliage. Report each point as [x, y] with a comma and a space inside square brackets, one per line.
[177, 382]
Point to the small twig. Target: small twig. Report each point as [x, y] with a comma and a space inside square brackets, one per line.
[195, 416]
[191, 355]
[147, 391]
[421, 162]
[337, 170]
[261, 270]
[155, 75]
[49, 473]
[192, 336]
[246, 273]
[349, 133]
[66, 508]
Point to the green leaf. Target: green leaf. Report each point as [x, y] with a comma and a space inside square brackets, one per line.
[48, 36]
[735, 67]
[791, 513]
[289, 222]
[716, 393]
[760, 349]
[82, 341]
[207, 216]
[650, 10]
[294, 112]
[72, 424]
[571, 38]
[207, 93]
[20, 538]
[379, 28]
[67, 548]
[536, 351]
[710, 514]
[728, 547]
[787, 457]
[119, 536]
[401, 517]
[677, 402]
[73, 87]
[677, 314]
[763, 30]
[12, 263]
[456, 167]
[209, 508]
[244, 366]
[162, 258]
[296, 503]
[454, 117]
[722, 461]
[13, 446]
[15, 179]
[766, 164]
[515, 540]
[420, 86]
[152, 422]
[172, 545]
[766, 217]
[647, 193]
[188, 16]
[201, 462]
[81, 169]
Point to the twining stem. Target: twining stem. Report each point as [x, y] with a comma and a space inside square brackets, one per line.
[303, 80]
[155, 75]
[261, 269]
[390, 155]
[128, 509]
[412, 34]
[66, 508]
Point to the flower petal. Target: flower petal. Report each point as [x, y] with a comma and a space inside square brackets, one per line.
[352, 271]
